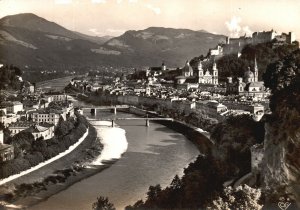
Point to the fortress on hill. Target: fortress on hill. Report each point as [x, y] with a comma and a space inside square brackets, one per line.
[235, 45]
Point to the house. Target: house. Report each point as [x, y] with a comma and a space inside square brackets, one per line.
[57, 96]
[6, 150]
[212, 108]
[44, 130]
[17, 127]
[47, 115]
[12, 107]
[8, 119]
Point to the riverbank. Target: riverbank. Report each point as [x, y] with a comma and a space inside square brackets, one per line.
[31, 188]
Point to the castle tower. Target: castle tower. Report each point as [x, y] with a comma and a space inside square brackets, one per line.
[215, 79]
[163, 66]
[255, 71]
[200, 72]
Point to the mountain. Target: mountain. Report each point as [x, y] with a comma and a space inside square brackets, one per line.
[27, 39]
[154, 44]
[33, 22]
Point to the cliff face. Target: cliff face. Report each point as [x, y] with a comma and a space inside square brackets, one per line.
[281, 163]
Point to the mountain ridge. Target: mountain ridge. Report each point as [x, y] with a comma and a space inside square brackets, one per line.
[29, 40]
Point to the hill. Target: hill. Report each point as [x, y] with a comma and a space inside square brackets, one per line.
[29, 40]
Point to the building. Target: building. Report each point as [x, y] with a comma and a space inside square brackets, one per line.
[6, 120]
[208, 77]
[17, 127]
[44, 130]
[56, 96]
[47, 115]
[187, 70]
[248, 85]
[156, 71]
[235, 45]
[12, 107]
[6, 150]
[188, 79]
[212, 109]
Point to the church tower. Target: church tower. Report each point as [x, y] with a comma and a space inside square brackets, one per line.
[215, 79]
[255, 70]
[163, 66]
[200, 72]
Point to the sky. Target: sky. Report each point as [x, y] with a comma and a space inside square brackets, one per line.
[114, 17]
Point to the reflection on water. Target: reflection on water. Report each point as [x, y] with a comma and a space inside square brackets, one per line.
[154, 155]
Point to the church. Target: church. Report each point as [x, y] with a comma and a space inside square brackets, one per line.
[248, 85]
[198, 77]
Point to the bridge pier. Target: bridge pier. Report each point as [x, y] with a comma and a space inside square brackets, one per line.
[147, 123]
[112, 123]
[115, 110]
[93, 111]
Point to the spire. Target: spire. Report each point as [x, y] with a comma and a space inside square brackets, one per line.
[163, 66]
[255, 70]
[200, 66]
[214, 65]
[255, 64]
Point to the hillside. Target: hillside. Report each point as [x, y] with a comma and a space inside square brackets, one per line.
[265, 53]
[26, 39]
[33, 22]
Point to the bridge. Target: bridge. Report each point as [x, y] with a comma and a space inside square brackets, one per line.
[132, 118]
[95, 108]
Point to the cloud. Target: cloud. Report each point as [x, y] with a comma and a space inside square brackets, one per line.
[234, 26]
[63, 1]
[99, 1]
[115, 31]
[156, 10]
[235, 29]
[247, 31]
[95, 31]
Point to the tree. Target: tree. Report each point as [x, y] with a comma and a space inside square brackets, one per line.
[153, 192]
[242, 197]
[176, 183]
[103, 203]
[22, 142]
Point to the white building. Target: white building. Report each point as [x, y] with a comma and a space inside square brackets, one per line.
[44, 130]
[17, 127]
[48, 116]
[13, 107]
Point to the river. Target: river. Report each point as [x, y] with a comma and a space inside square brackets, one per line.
[154, 155]
[151, 155]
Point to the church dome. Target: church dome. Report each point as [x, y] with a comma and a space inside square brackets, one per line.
[187, 67]
[249, 74]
